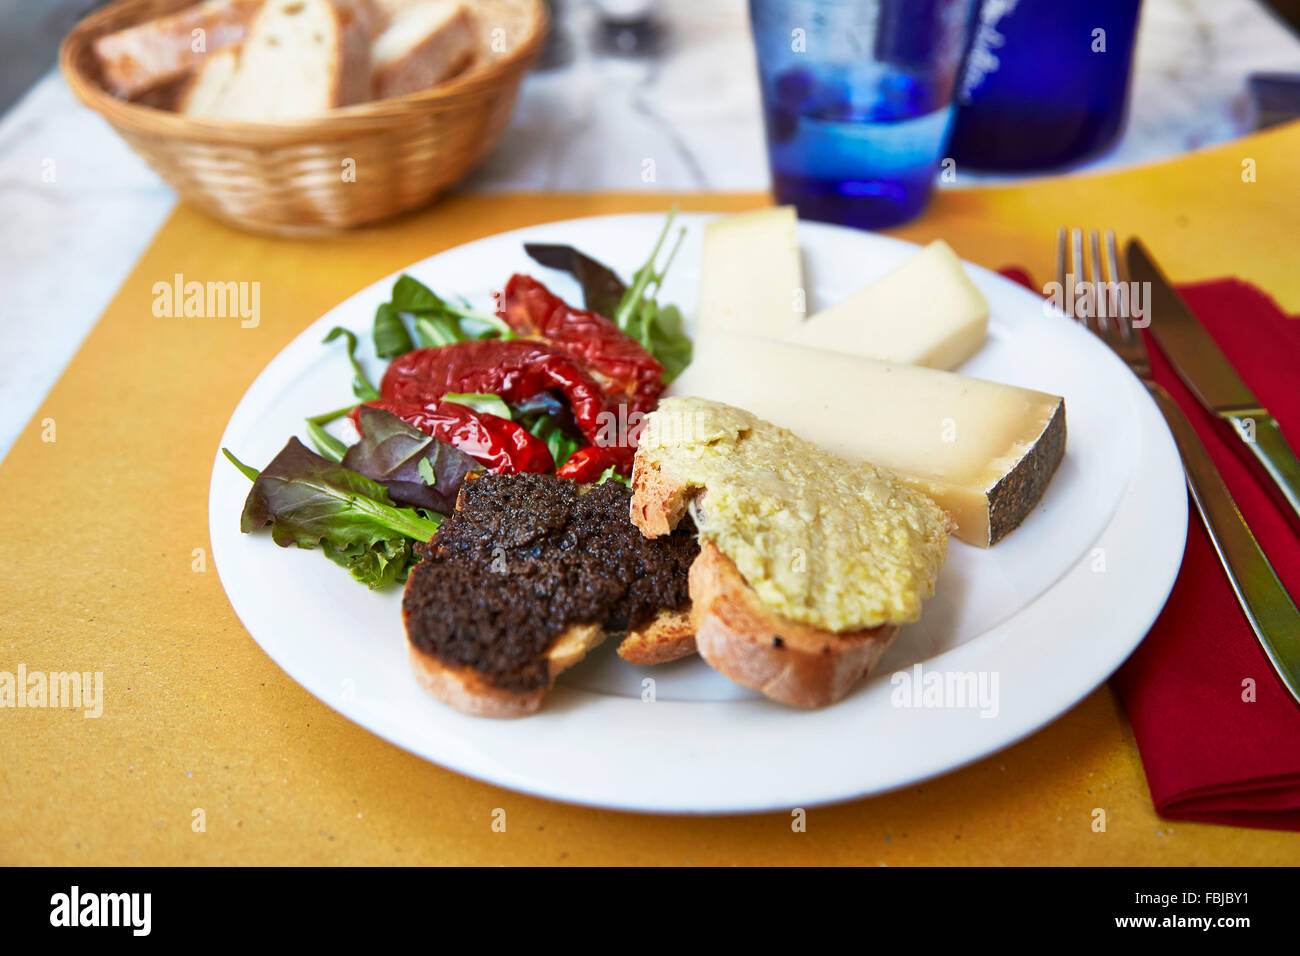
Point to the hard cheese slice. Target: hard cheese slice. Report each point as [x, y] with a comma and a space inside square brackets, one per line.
[925, 312]
[984, 451]
[752, 278]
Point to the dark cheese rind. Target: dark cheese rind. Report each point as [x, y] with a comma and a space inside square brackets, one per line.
[1020, 490]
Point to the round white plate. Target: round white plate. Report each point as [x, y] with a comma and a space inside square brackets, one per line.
[1014, 636]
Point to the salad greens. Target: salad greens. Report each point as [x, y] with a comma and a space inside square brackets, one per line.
[329, 446]
[434, 320]
[361, 386]
[634, 309]
[658, 328]
[312, 502]
[610, 474]
[487, 403]
[602, 289]
[416, 470]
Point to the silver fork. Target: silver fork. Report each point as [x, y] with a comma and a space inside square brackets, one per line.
[1269, 609]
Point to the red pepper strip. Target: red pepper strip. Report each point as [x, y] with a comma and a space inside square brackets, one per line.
[587, 464]
[499, 444]
[624, 370]
[515, 369]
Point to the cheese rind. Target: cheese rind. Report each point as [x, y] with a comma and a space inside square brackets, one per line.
[752, 278]
[926, 311]
[983, 450]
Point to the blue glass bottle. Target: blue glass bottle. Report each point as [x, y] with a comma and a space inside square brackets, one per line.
[1045, 82]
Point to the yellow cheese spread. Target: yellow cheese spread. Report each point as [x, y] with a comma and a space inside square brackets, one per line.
[836, 544]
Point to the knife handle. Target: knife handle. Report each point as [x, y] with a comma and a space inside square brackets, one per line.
[1269, 609]
[1259, 431]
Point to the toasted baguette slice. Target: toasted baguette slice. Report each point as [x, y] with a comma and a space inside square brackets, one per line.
[790, 662]
[668, 637]
[424, 44]
[467, 691]
[301, 59]
[148, 55]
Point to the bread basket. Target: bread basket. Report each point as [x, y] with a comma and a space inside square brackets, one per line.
[356, 165]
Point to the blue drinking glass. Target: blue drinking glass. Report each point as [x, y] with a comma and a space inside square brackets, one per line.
[857, 102]
[1045, 84]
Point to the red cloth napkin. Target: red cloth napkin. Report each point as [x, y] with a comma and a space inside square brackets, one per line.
[1210, 754]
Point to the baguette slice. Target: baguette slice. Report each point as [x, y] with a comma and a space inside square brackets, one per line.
[423, 44]
[141, 58]
[467, 691]
[301, 59]
[668, 637]
[790, 662]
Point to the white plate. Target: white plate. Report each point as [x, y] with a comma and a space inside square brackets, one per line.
[1043, 617]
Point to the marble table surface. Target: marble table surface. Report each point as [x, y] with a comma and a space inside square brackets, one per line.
[80, 207]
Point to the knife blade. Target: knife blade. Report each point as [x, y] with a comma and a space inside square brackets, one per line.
[1211, 378]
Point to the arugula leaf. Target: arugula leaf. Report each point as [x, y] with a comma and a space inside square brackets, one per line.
[312, 502]
[602, 289]
[361, 386]
[417, 470]
[549, 418]
[610, 474]
[389, 333]
[558, 442]
[669, 342]
[415, 297]
[329, 446]
[439, 330]
[481, 402]
[248, 471]
[658, 328]
[435, 320]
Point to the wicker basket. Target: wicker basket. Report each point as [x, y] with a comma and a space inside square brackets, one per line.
[358, 164]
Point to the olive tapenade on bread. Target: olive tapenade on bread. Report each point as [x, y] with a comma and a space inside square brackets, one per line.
[526, 576]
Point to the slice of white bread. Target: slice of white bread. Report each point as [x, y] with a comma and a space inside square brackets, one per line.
[788, 661]
[467, 691]
[148, 55]
[669, 636]
[422, 45]
[301, 59]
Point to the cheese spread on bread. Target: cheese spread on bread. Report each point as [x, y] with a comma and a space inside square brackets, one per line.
[836, 544]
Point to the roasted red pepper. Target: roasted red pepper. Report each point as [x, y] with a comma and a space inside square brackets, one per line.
[501, 445]
[514, 369]
[624, 370]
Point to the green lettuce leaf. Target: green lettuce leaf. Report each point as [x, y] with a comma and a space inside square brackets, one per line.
[312, 502]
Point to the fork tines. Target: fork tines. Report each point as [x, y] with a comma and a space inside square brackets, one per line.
[1095, 285]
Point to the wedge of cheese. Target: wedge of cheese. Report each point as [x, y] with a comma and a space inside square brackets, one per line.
[927, 311]
[984, 451]
[752, 278]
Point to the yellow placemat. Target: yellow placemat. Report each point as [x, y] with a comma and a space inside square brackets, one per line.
[103, 541]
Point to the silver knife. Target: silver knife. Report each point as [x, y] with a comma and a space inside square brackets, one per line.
[1204, 369]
